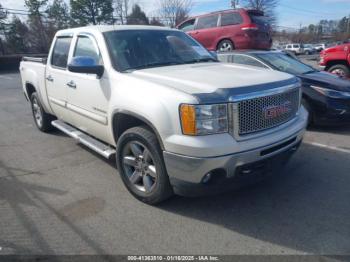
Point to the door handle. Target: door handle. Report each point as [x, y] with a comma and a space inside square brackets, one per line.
[49, 78]
[71, 84]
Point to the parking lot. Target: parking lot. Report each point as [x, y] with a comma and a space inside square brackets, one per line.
[58, 197]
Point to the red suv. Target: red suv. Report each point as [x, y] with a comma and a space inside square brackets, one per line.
[230, 29]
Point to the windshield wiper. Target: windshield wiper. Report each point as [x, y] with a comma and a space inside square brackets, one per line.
[152, 65]
[201, 60]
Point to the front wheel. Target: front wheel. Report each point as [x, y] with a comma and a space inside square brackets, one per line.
[141, 166]
[340, 70]
[41, 118]
[225, 46]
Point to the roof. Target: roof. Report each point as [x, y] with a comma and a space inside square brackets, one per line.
[107, 28]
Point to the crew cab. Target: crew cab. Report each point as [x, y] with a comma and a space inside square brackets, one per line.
[175, 119]
[336, 60]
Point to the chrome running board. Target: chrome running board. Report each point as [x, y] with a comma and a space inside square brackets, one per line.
[92, 143]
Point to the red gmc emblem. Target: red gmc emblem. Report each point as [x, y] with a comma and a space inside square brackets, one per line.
[272, 112]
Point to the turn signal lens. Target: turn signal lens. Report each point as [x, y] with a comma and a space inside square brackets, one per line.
[188, 119]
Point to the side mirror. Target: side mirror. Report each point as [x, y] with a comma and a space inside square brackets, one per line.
[87, 65]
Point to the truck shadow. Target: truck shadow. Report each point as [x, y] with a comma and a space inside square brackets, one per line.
[305, 208]
[340, 130]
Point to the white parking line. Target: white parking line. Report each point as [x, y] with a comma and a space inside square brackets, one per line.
[334, 148]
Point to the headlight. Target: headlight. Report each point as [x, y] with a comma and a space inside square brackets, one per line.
[331, 93]
[199, 120]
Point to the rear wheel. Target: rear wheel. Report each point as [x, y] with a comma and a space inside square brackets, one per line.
[225, 46]
[340, 70]
[41, 118]
[141, 166]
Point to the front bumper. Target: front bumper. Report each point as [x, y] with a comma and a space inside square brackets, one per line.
[187, 174]
[332, 112]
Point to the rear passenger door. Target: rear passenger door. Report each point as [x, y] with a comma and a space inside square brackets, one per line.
[207, 31]
[56, 77]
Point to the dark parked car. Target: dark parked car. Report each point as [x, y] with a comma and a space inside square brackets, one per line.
[326, 96]
[230, 29]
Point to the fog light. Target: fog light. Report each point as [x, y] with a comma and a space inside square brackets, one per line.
[206, 178]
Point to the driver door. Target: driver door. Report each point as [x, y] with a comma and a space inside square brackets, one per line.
[87, 94]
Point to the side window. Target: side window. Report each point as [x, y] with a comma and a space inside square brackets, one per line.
[231, 19]
[188, 26]
[207, 22]
[60, 52]
[295, 46]
[86, 47]
[247, 60]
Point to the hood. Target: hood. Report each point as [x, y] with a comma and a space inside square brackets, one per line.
[207, 78]
[326, 80]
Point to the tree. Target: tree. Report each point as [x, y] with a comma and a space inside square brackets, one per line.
[156, 22]
[58, 17]
[3, 16]
[58, 14]
[37, 37]
[267, 6]
[95, 12]
[234, 4]
[122, 10]
[137, 16]
[16, 36]
[175, 11]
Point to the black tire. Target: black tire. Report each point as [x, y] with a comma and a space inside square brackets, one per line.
[161, 188]
[341, 70]
[44, 123]
[225, 46]
[306, 104]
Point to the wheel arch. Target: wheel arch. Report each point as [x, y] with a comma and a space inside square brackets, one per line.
[336, 62]
[123, 120]
[30, 89]
[223, 39]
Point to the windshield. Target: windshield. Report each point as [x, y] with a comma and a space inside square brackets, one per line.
[286, 63]
[139, 49]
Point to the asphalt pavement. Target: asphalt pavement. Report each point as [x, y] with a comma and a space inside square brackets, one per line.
[58, 197]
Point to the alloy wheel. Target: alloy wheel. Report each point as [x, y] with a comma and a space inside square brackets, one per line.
[37, 111]
[139, 166]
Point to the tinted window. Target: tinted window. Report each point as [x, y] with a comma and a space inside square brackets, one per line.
[86, 47]
[231, 19]
[295, 46]
[247, 60]
[188, 26]
[208, 22]
[286, 64]
[139, 49]
[60, 52]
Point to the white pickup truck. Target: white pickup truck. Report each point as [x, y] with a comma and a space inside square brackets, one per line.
[175, 119]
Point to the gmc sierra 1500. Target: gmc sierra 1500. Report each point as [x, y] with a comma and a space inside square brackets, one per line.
[176, 120]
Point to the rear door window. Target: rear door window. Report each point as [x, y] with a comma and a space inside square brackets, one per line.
[231, 19]
[188, 26]
[60, 52]
[207, 22]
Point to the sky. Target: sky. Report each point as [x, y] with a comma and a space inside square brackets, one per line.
[291, 13]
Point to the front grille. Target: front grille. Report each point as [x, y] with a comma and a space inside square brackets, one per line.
[259, 114]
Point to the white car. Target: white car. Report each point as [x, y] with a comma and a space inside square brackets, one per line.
[175, 119]
[297, 49]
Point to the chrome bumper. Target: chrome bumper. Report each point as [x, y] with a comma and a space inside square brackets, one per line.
[193, 169]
